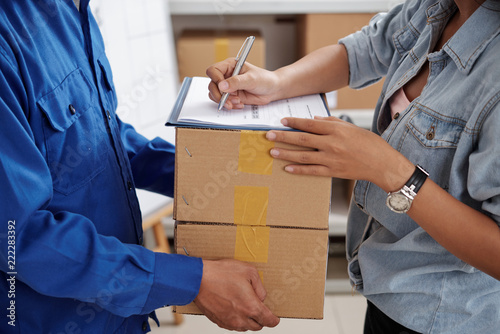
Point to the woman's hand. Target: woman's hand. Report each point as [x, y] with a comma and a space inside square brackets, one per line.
[253, 85]
[323, 70]
[342, 150]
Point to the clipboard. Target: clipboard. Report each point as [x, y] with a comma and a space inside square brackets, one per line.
[193, 108]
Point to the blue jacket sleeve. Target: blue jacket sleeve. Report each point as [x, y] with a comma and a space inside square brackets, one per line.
[483, 180]
[152, 162]
[60, 254]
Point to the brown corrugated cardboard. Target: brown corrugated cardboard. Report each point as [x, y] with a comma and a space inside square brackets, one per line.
[213, 179]
[198, 49]
[233, 200]
[293, 272]
[318, 30]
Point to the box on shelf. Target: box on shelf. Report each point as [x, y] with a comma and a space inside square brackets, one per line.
[319, 30]
[291, 262]
[198, 49]
[233, 200]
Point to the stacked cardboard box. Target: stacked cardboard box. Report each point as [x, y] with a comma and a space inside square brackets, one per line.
[232, 200]
[198, 49]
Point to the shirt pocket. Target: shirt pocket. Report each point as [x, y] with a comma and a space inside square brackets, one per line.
[404, 40]
[431, 140]
[107, 82]
[74, 133]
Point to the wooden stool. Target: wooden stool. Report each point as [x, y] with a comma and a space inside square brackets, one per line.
[154, 221]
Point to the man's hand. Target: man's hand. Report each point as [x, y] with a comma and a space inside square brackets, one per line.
[231, 295]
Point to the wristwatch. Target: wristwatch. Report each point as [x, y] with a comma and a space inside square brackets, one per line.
[400, 201]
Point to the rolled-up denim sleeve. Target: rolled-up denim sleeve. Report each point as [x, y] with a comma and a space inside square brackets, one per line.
[371, 50]
[483, 181]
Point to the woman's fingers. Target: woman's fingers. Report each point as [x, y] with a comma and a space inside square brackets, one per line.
[318, 125]
[303, 139]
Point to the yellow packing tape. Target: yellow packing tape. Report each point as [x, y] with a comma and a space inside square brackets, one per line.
[250, 205]
[221, 49]
[252, 243]
[254, 156]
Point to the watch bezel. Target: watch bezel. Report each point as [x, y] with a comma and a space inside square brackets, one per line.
[402, 195]
[409, 190]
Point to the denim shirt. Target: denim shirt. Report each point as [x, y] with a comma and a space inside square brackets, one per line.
[71, 259]
[451, 130]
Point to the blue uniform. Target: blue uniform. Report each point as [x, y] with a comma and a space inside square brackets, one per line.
[71, 259]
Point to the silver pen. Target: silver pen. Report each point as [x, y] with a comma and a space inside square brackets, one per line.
[241, 57]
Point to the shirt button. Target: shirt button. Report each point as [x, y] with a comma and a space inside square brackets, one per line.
[109, 115]
[431, 133]
[144, 326]
[72, 109]
[396, 116]
[129, 184]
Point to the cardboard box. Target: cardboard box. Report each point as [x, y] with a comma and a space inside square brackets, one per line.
[198, 49]
[219, 173]
[293, 271]
[319, 30]
[233, 200]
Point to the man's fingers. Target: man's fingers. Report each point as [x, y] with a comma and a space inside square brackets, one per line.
[267, 318]
[231, 295]
[254, 325]
[257, 285]
[263, 316]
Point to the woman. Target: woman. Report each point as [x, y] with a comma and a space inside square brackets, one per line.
[423, 241]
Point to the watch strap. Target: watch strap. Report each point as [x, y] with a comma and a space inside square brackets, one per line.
[417, 179]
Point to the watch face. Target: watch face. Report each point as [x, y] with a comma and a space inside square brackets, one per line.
[398, 202]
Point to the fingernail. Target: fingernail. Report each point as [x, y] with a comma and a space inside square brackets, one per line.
[223, 85]
[284, 121]
[271, 136]
[275, 152]
[289, 169]
[235, 101]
